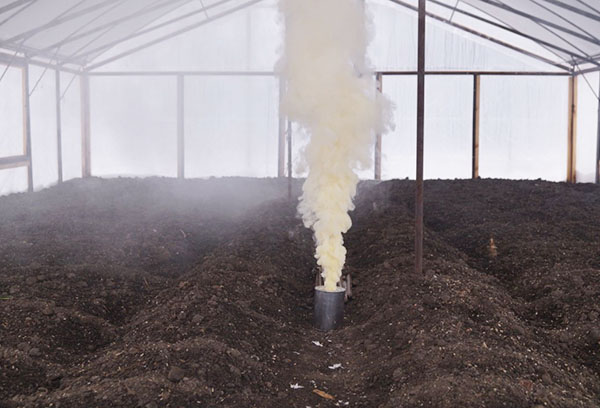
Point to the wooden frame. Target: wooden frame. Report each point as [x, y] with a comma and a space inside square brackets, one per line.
[572, 132]
[24, 159]
[476, 115]
[378, 137]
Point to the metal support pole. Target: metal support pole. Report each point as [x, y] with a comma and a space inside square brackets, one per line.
[27, 127]
[180, 127]
[598, 141]
[475, 147]
[58, 127]
[281, 139]
[86, 155]
[378, 141]
[420, 139]
[289, 158]
[572, 131]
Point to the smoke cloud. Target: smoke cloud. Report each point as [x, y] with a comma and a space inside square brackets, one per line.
[330, 91]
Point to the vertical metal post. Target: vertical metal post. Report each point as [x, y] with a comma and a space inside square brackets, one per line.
[598, 139]
[180, 127]
[572, 131]
[289, 158]
[281, 139]
[420, 139]
[378, 141]
[58, 127]
[27, 127]
[86, 156]
[475, 147]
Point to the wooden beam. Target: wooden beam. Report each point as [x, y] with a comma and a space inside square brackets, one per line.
[12, 162]
[58, 126]
[476, 113]
[378, 137]
[281, 138]
[86, 155]
[180, 127]
[27, 127]
[572, 131]
[419, 228]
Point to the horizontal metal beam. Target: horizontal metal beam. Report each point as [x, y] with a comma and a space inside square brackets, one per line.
[185, 73]
[485, 36]
[490, 73]
[173, 34]
[12, 162]
[275, 74]
[21, 61]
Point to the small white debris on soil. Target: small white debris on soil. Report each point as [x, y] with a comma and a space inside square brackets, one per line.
[296, 386]
[316, 343]
[335, 366]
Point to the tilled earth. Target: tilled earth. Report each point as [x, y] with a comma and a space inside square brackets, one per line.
[166, 293]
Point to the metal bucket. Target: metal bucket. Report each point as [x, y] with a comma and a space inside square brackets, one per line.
[329, 308]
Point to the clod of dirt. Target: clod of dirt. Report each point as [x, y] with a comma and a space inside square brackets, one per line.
[34, 352]
[176, 374]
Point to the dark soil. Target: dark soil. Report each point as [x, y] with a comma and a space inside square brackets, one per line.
[162, 293]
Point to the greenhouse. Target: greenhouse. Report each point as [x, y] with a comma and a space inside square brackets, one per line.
[185, 186]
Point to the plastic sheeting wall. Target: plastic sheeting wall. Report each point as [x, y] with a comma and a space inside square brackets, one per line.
[133, 126]
[448, 127]
[524, 126]
[11, 129]
[231, 126]
[44, 150]
[71, 126]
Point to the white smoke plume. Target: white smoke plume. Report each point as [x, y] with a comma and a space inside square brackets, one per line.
[330, 91]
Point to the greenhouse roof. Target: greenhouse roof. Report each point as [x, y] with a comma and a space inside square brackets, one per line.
[81, 33]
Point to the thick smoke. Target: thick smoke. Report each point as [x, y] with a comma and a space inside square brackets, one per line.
[331, 92]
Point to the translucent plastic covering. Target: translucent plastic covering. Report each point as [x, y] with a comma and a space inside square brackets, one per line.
[231, 126]
[231, 121]
[83, 31]
[523, 128]
[135, 133]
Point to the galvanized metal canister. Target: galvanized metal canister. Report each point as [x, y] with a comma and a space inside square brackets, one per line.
[329, 308]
